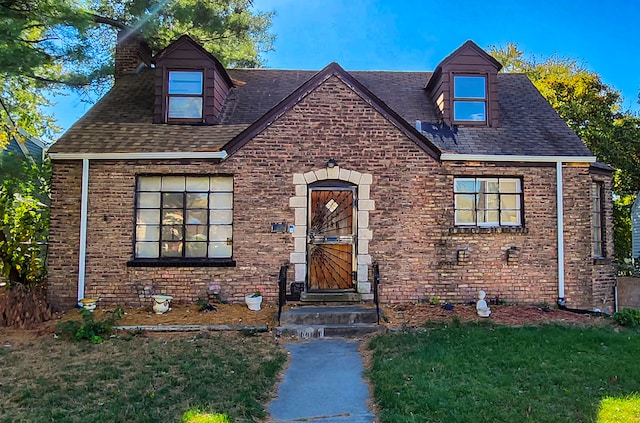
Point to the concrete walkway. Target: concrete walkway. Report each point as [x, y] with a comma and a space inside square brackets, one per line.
[323, 384]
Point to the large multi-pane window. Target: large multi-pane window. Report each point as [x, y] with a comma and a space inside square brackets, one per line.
[597, 194]
[184, 217]
[469, 98]
[184, 95]
[488, 201]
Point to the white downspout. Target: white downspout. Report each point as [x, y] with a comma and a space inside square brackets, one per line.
[84, 202]
[560, 209]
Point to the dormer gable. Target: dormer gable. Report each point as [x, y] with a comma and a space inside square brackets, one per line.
[190, 84]
[464, 87]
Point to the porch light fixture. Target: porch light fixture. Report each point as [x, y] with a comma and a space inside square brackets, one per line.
[331, 163]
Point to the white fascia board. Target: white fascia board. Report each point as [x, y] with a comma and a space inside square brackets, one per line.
[509, 158]
[166, 155]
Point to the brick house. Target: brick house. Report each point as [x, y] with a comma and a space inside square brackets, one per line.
[187, 174]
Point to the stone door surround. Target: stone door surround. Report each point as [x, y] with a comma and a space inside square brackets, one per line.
[299, 203]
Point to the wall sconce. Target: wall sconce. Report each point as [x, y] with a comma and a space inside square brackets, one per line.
[331, 163]
[513, 256]
[463, 257]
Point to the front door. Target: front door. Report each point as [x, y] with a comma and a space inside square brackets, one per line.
[330, 241]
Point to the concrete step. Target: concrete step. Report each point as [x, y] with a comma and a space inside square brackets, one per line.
[328, 297]
[329, 315]
[322, 331]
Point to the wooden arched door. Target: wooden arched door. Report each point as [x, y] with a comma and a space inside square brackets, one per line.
[331, 238]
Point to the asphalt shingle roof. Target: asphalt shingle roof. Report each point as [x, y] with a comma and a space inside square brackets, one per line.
[123, 120]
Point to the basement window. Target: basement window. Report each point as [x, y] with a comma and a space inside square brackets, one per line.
[469, 98]
[185, 95]
[488, 202]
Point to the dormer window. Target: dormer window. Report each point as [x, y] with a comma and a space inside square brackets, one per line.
[184, 95]
[469, 98]
[193, 95]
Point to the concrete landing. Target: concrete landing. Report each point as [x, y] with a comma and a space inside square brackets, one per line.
[323, 384]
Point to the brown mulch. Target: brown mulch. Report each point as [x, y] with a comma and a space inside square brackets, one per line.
[415, 315]
[396, 316]
[225, 314]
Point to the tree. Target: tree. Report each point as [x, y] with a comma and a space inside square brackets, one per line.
[593, 110]
[229, 29]
[47, 45]
[24, 219]
[36, 37]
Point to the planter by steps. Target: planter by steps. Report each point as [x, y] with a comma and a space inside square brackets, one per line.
[253, 302]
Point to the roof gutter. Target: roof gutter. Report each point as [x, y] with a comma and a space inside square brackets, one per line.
[514, 158]
[84, 203]
[560, 221]
[164, 155]
[558, 160]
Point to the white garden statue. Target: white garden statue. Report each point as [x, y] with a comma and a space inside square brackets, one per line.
[481, 306]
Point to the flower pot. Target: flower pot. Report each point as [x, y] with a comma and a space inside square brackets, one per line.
[161, 303]
[89, 304]
[253, 302]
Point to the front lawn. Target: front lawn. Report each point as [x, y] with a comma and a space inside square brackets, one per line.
[137, 378]
[479, 373]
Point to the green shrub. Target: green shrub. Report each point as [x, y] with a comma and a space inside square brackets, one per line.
[199, 416]
[627, 317]
[88, 328]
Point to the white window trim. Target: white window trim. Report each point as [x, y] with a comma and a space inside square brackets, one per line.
[477, 224]
[168, 97]
[484, 100]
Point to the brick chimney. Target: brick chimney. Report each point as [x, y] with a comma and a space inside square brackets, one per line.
[131, 51]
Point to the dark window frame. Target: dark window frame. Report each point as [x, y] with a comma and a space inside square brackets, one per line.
[484, 100]
[499, 209]
[598, 228]
[167, 96]
[183, 259]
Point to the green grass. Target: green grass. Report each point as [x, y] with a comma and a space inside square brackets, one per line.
[476, 373]
[138, 379]
[625, 409]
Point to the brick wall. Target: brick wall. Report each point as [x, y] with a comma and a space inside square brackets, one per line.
[604, 270]
[412, 224]
[64, 234]
[529, 277]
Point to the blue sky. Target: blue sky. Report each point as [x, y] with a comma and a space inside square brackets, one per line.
[416, 35]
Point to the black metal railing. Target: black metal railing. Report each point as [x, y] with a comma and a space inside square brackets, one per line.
[282, 288]
[376, 283]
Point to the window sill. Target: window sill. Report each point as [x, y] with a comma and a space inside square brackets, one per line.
[488, 230]
[193, 122]
[602, 260]
[181, 263]
[470, 123]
